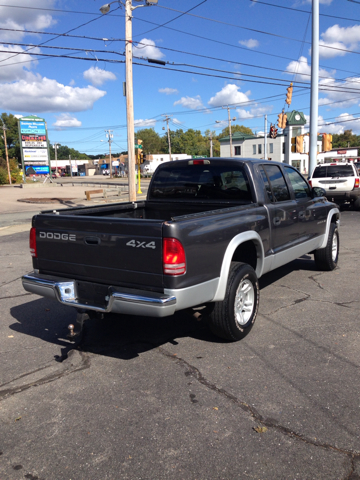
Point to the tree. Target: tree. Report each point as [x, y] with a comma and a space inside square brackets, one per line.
[12, 137]
[345, 140]
[235, 128]
[64, 152]
[151, 140]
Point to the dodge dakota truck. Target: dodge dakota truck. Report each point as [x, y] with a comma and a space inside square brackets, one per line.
[207, 231]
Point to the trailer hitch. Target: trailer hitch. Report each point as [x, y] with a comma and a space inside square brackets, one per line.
[81, 316]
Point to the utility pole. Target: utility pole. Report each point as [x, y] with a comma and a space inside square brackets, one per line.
[129, 87]
[265, 139]
[109, 135]
[166, 119]
[130, 100]
[230, 134]
[70, 166]
[56, 165]
[211, 144]
[314, 103]
[6, 151]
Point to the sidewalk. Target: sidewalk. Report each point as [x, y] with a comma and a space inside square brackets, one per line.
[18, 205]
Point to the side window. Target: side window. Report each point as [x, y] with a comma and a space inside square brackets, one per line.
[277, 182]
[266, 183]
[300, 187]
[259, 148]
[271, 147]
[237, 150]
[254, 149]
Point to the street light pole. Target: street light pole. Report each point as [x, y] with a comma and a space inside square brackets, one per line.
[314, 103]
[130, 100]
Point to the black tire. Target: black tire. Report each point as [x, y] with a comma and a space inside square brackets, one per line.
[228, 320]
[326, 259]
[357, 203]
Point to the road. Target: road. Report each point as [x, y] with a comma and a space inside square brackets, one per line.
[140, 398]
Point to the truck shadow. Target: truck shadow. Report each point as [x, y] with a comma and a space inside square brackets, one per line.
[120, 336]
[123, 336]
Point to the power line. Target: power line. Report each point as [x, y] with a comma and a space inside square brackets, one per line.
[307, 11]
[57, 36]
[256, 30]
[85, 37]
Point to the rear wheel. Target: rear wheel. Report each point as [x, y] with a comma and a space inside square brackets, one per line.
[327, 258]
[233, 318]
[357, 203]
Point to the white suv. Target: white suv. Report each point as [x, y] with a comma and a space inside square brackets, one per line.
[340, 181]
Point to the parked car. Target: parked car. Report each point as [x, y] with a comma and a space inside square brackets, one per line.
[340, 180]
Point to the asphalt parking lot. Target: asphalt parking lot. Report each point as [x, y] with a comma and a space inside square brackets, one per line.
[141, 398]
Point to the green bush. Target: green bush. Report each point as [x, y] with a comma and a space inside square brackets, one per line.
[4, 180]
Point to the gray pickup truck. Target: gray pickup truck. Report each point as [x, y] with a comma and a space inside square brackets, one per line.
[207, 231]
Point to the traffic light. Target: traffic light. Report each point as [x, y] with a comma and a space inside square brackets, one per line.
[289, 94]
[284, 120]
[280, 119]
[326, 142]
[299, 144]
[273, 131]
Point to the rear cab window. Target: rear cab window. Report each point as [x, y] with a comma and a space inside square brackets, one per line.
[333, 171]
[202, 182]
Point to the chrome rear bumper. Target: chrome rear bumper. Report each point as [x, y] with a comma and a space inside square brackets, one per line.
[118, 300]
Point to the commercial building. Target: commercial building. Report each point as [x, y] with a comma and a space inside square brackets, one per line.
[291, 145]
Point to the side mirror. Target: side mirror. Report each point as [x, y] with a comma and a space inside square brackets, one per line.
[318, 192]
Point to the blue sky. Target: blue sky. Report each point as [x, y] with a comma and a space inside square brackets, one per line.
[240, 53]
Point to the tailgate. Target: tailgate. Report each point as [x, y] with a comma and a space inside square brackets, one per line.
[337, 184]
[126, 252]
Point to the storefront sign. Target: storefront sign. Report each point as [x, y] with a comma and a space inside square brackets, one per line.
[35, 154]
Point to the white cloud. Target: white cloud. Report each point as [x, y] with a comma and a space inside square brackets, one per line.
[24, 18]
[345, 121]
[336, 93]
[303, 70]
[38, 94]
[66, 120]
[12, 67]
[97, 76]
[176, 121]
[229, 95]
[251, 43]
[147, 49]
[168, 91]
[221, 124]
[193, 103]
[145, 123]
[339, 38]
[243, 114]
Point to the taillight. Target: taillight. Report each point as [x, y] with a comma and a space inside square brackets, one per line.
[310, 183]
[174, 261]
[357, 182]
[32, 242]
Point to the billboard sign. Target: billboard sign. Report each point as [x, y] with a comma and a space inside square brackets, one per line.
[37, 170]
[36, 128]
[35, 154]
[33, 141]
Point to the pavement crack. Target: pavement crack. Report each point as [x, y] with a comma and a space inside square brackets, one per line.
[11, 281]
[194, 372]
[74, 362]
[15, 296]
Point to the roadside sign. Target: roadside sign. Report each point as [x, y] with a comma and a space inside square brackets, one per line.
[138, 146]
